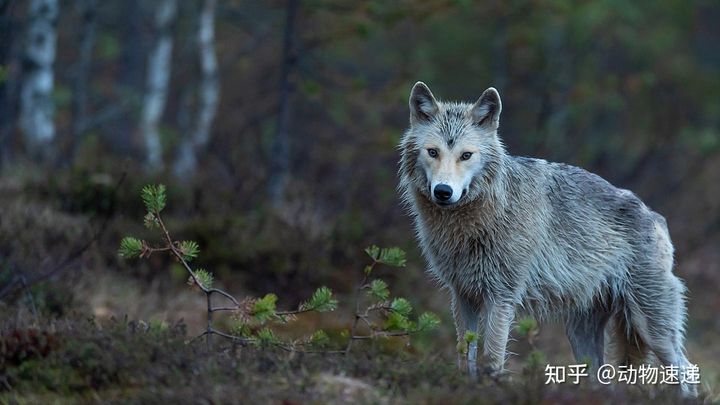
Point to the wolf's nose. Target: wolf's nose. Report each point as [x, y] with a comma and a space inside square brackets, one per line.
[443, 192]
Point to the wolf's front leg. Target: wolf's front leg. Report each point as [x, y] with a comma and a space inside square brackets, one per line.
[497, 328]
[466, 318]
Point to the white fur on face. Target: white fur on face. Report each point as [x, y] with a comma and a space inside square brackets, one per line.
[448, 167]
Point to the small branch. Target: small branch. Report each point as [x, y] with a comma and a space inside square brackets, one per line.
[158, 249]
[223, 293]
[28, 293]
[209, 319]
[217, 309]
[358, 292]
[380, 334]
[294, 312]
[179, 256]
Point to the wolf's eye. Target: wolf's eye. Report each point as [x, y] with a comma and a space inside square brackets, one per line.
[433, 153]
[466, 156]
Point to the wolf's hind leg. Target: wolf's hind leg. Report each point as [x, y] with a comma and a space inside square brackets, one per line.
[658, 316]
[623, 345]
[586, 332]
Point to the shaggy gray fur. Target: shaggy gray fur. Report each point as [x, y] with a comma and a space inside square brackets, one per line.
[548, 238]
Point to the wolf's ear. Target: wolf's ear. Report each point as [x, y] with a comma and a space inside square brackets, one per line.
[486, 111]
[423, 105]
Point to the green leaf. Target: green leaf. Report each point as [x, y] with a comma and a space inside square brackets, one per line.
[401, 306]
[189, 250]
[427, 322]
[154, 198]
[266, 337]
[204, 277]
[130, 248]
[264, 308]
[470, 337]
[379, 290]
[321, 301]
[319, 339]
[397, 321]
[390, 256]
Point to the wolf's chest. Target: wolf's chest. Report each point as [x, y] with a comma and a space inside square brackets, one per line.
[460, 253]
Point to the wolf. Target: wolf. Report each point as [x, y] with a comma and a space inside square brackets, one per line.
[505, 233]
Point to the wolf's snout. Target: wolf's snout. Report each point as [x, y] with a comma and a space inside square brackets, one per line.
[443, 192]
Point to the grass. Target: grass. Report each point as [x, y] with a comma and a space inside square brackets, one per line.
[79, 359]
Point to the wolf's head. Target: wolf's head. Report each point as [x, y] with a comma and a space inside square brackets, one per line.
[451, 153]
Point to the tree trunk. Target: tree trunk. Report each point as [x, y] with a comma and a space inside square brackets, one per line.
[209, 92]
[86, 41]
[36, 105]
[131, 76]
[280, 151]
[8, 72]
[157, 78]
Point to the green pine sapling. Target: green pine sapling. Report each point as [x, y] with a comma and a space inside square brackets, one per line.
[382, 317]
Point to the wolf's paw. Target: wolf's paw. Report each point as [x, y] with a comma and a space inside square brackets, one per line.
[496, 374]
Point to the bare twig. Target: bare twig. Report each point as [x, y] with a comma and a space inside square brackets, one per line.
[380, 334]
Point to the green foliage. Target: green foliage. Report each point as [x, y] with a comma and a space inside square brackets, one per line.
[535, 360]
[380, 316]
[379, 290]
[189, 250]
[319, 339]
[108, 46]
[204, 277]
[470, 337]
[526, 326]
[150, 221]
[401, 306]
[397, 322]
[264, 308]
[427, 321]
[241, 329]
[154, 198]
[130, 248]
[266, 337]
[390, 256]
[321, 301]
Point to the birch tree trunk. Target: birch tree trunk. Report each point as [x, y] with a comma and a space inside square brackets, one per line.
[280, 152]
[86, 40]
[36, 105]
[209, 92]
[157, 78]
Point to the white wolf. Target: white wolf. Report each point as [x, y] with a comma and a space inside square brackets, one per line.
[504, 233]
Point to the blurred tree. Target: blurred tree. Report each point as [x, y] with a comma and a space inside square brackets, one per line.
[86, 40]
[280, 151]
[7, 104]
[209, 92]
[130, 66]
[157, 79]
[36, 104]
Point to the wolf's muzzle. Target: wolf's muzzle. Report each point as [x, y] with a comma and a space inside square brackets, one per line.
[443, 192]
